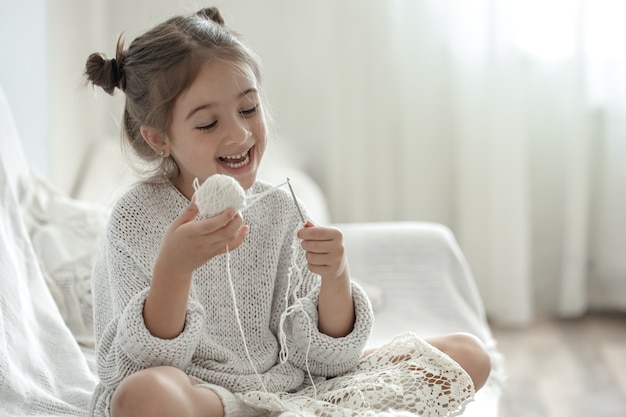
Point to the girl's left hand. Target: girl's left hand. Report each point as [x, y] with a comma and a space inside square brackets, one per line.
[325, 252]
[326, 257]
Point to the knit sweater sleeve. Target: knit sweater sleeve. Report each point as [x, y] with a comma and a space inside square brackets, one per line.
[122, 279]
[308, 348]
[320, 354]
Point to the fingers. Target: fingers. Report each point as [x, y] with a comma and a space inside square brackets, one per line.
[191, 212]
[213, 235]
[188, 214]
[229, 221]
[188, 243]
[324, 257]
[222, 231]
[239, 238]
[310, 232]
[324, 248]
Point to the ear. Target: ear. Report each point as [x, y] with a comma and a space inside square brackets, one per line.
[156, 139]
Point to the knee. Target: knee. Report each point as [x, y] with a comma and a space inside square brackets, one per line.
[142, 393]
[470, 353]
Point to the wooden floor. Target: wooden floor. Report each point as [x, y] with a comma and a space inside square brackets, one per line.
[565, 368]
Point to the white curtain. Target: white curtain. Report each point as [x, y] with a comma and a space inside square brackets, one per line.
[505, 120]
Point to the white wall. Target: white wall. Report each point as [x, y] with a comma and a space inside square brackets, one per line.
[24, 74]
[78, 115]
[41, 71]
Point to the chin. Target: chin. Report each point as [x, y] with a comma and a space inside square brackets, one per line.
[247, 182]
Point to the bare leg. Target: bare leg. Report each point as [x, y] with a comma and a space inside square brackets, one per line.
[466, 350]
[469, 352]
[164, 391]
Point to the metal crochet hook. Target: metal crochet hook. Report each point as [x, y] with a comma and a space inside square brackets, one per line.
[295, 200]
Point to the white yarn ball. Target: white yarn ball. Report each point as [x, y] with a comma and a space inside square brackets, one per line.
[218, 193]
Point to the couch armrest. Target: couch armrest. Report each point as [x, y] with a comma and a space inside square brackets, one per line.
[426, 283]
[427, 287]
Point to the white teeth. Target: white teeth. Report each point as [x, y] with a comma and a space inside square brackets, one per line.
[233, 165]
[241, 155]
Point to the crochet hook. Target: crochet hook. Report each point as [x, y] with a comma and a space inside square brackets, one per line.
[295, 200]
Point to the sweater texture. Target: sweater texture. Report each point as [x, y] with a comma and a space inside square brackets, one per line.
[210, 348]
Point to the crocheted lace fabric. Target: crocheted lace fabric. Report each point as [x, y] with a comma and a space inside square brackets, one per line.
[406, 374]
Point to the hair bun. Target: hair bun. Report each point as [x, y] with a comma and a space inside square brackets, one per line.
[100, 71]
[107, 73]
[212, 13]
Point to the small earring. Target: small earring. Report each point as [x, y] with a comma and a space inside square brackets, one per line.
[161, 153]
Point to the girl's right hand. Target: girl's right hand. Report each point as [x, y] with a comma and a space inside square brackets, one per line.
[189, 244]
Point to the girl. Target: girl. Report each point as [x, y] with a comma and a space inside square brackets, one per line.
[246, 313]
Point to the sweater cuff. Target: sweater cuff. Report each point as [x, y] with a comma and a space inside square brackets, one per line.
[147, 350]
[329, 356]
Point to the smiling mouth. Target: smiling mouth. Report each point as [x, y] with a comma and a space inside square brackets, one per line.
[235, 161]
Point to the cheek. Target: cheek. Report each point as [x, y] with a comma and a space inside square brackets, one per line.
[261, 140]
[260, 131]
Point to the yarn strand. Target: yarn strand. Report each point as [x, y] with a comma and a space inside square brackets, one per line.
[258, 197]
[239, 323]
[297, 306]
[290, 294]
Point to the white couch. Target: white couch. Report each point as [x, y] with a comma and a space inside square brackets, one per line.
[414, 272]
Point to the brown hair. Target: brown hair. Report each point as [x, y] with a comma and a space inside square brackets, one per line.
[161, 64]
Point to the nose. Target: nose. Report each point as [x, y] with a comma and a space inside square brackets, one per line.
[238, 131]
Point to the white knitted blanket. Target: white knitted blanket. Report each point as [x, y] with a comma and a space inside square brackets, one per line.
[42, 369]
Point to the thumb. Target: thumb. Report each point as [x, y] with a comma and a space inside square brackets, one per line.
[189, 213]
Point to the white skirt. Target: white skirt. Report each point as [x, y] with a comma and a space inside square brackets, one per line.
[404, 375]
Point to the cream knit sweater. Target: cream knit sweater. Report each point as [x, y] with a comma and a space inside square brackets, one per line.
[210, 348]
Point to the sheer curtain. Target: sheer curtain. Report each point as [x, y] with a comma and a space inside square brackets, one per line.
[505, 120]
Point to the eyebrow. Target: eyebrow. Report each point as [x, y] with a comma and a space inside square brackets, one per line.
[209, 105]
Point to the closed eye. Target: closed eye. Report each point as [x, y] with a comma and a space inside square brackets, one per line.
[207, 127]
[249, 112]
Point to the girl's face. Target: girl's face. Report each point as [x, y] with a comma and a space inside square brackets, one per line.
[218, 127]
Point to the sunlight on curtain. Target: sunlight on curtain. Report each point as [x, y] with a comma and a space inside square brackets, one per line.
[502, 119]
[545, 29]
